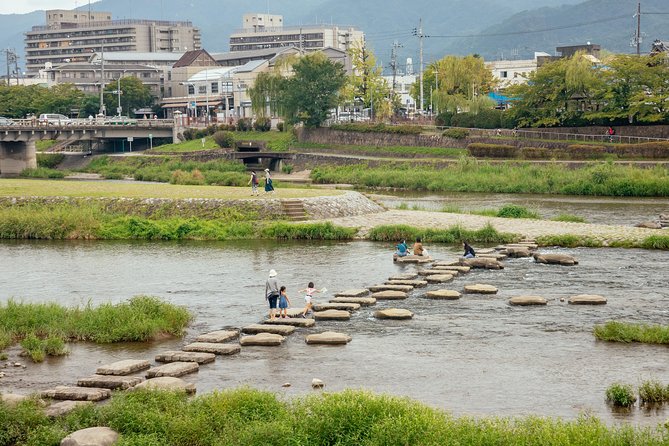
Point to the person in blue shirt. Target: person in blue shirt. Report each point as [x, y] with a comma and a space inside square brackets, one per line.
[402, 249]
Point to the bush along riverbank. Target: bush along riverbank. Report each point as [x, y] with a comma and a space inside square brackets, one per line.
[650, 392]
[43, 329]
[614, 331]
[350, 418]
[470, 175]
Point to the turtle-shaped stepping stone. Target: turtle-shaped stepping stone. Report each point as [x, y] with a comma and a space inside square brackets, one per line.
[332, 315]
[527, 300]
[393, 313]
[439, 278]
[262, 339]
[587, 299]
[443, 295]
[328, 338]
[389, 295]
[480, 288]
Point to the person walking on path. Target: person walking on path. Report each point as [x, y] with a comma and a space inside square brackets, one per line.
[308, 296]
[268, 182]
[469, 251]
[284, 303]
[254, 183]
[272, 293]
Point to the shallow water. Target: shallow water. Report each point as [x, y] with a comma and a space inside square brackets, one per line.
[473, 356]
[602, 210]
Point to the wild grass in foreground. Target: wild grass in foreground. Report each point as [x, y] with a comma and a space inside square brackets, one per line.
[454, 234]
[43, 329]
[615, 331]
[350, 418]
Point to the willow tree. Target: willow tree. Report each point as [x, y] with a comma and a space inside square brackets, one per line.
[266, 94]
[366, 84]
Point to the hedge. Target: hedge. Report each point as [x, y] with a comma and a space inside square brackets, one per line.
[378, 128]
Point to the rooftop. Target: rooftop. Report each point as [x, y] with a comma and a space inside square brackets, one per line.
[108, 23]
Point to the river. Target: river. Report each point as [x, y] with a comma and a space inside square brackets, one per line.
[475, 356]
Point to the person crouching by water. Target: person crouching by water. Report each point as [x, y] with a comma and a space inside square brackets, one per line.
[418, 249]
[401, 250]
[469, 251]
[272, 293]
[284, 303]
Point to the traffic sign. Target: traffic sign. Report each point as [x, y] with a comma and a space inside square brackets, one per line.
[131, 139]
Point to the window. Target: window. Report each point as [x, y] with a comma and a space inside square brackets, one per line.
[214, 87]
[191, 89]
[504, 74]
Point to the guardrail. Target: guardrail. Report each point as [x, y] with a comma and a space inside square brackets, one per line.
[90, 123]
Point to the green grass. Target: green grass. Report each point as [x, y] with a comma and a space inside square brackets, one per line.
[350, 418]
[194, 145]
[652, 391]
[44, 144]
[656, 242]
[621, 395]
[506, 211]
[401, 151]
[43, 172]
[49, 160]
[42, 329]
[276, 142]
[614, 331]
[455, 234]
[569, 218]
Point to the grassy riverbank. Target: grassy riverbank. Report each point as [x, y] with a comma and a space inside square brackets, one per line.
[454, 234]
[43, 329]
[470, 175]
[275, 141]
[350, 418]
[626, 332]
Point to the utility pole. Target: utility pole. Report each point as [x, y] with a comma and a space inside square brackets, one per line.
[393, 63]
[102, 79]
[419, 33]
[12, 59]
[638, 29]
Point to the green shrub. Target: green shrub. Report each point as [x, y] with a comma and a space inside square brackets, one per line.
[516, 211]
[656, 242]
[224, 140]
[378, 128]
[569, 218]
[308, 231]
[652, 391]
[280, 126]
[49, 160]
[621, 395]
[42, 172]
[454, 234]
[286, 168]
[569, 241]
[614, 331]
[480, 150]
[484, 119]
[456, 133]
[444, 119]
[244, 124]
[535, 153]
[262, 125]
[584, 151]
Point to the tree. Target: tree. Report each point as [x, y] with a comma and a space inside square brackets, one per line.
[134, 95]
[367, 85]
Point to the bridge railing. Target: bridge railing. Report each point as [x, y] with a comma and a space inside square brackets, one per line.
[90, 123]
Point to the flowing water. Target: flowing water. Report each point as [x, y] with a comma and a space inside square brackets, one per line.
[602, 210]
[476, 356]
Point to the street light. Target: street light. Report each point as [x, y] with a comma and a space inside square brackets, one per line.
[119, 109]
[190, 84]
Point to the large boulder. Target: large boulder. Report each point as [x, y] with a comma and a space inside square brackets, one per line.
[167, 383]
[555, 259]
[92, 436]
[328, 338]
[527, 300]
[480, 288]
[587, 299]
[482, 263]
[443, 295]
[393, 313]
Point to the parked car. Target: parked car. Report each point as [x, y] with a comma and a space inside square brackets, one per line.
[5, 121]
[54, 119]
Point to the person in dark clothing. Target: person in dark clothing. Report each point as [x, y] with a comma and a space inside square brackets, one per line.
[469, 251]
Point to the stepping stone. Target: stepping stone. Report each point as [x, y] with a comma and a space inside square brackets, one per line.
[359, 292]
[517, 253]
[437, 271]
[336, 306]
[167, 383]
[389, 295]
[405, 276]
[262, 339]
[439, 278]
[110, 382]
[363, 301]
[446, 263]
[125, 367]
[458, 268]
[12, 399]
[62, 408]
[488, 250]
[587, 299]
[413, 283]
[443, 295]
[524, 245]
[328, 338]
[98, 436]
[498, 256]
[413, 259]
[77, 393]
[387, 287]
[332, 315]
[482, 263]
[179, 356]
[283, 330]
[293, 312]
[393, 313]
[218, 336]
[479, 288]
[555, 259]
[174, 369]
[212, 347]
[294, 321]
[527, 300]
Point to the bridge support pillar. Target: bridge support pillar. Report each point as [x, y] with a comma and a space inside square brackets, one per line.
[16, 156]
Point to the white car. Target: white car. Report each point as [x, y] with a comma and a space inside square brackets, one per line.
[54, 119]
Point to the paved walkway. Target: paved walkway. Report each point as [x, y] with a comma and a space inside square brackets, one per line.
[525, 227]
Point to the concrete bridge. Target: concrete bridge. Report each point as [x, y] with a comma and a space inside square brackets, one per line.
[17, 141]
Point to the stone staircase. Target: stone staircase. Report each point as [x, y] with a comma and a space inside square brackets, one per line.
[294, 210]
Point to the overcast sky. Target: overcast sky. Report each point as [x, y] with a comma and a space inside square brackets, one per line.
[21, 6]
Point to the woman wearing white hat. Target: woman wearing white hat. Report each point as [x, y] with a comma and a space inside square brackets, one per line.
[268, 182]
[272, 293]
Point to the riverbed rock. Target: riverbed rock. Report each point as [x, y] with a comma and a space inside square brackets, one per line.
[294, 321]
[174, 369]
[167, 383]
[92, 436]
[413, 283]
[413, 259]
[218, 336]
[495, 256]
[555, 259]
[587, 299]
[649, 225]
[479, 288]
[110, 382]
[482, 263]
[212, 347]
[180, 356]
[443, 295]
[328, 338]
[439, 278]
[405, 276]
[77, 393]
[393, 313]
[125, 367]
[317, 383]
[516, 253]
[283, 330]
[263, 339]
[480, 251]
[456, 268]
[337, 306]
[12, 399]
[390, 287]
[332, 315]
[62, 408]
[358, 292]
[362, 301]
[527, 300]
[389, 295]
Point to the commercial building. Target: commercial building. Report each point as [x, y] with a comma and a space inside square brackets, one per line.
[262, 31]
[72, 36]
[514, 72]
[87, 76]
